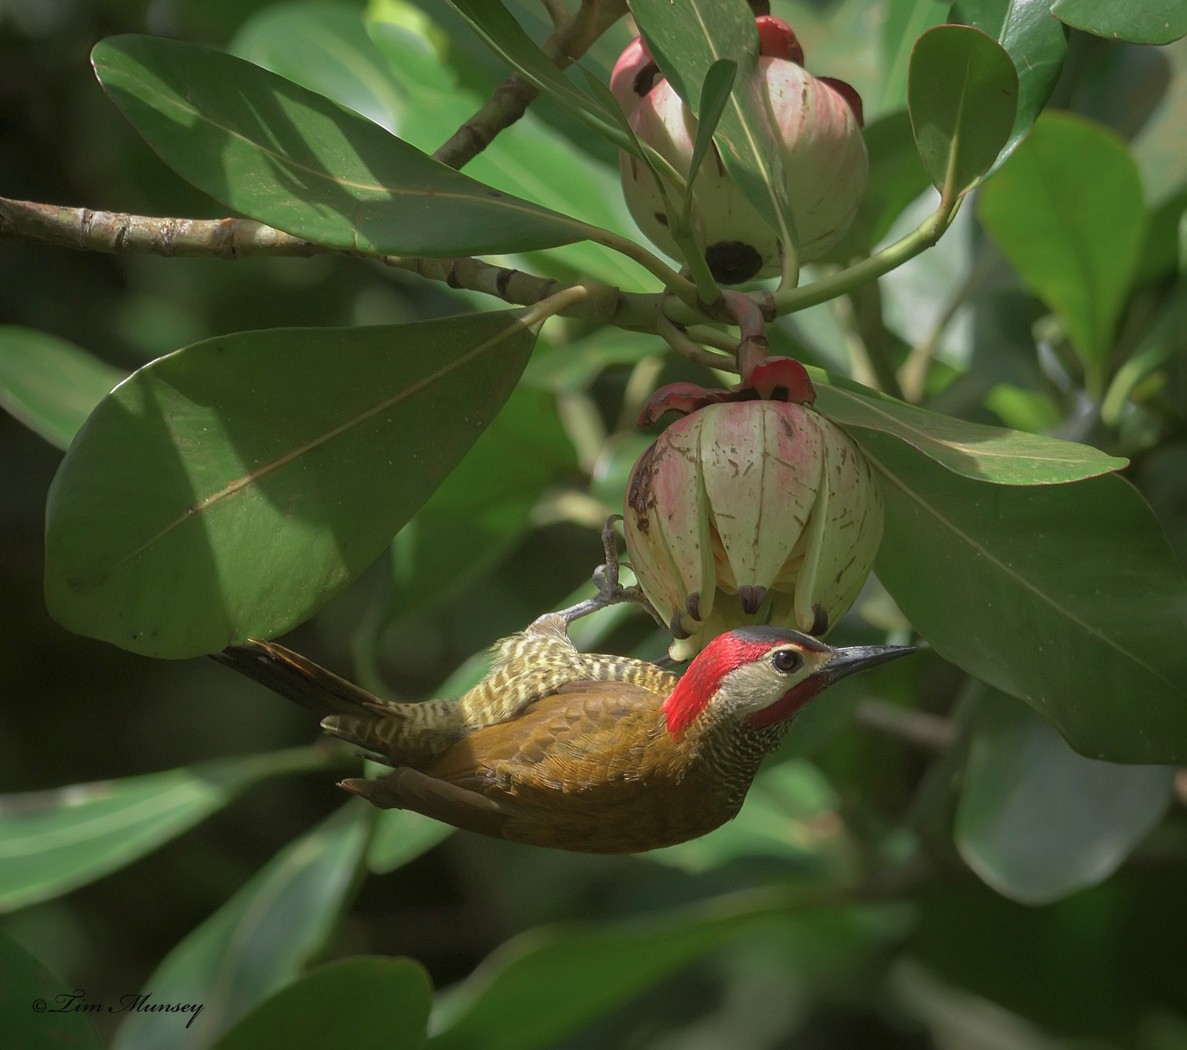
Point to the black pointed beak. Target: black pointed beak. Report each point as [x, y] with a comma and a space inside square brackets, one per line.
[860, 658]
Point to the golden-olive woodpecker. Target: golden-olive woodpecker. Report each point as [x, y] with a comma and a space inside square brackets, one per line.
[577, 751]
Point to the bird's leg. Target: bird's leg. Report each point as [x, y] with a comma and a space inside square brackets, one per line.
[610, 590]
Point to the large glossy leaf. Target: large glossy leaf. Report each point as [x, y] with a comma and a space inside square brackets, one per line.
[400, 836]
[399, 77]
[1033, 39]
[283, 155]
[258, 941]
[686, 49]
[963, 99]
[1074, 240]
[54, 841]
[37, 1008]
[325, 47]
[227, 490]
[1148, 22]
[1037, 821]
[530, 158]
[1066, 596]
[50, 385]
[351, 1004]
[1004, 457]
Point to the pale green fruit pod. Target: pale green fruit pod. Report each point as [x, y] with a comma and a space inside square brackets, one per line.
[751, 512]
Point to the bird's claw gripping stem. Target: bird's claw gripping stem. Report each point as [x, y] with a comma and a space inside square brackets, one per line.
[605, 577]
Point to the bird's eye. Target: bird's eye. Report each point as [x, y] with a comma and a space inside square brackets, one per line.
[785, 661]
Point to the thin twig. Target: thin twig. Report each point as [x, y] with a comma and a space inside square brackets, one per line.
[83, 229]
[679, 341]
[109, 231]
[556, 11]
[509, 101]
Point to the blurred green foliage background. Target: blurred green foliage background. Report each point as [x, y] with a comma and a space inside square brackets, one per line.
[747, 941]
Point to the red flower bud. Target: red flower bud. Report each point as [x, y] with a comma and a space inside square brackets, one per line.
[776, 39]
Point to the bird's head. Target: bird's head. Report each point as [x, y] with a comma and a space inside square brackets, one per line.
[758, 676]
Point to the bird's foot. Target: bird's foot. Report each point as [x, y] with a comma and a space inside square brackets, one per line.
[605, 577]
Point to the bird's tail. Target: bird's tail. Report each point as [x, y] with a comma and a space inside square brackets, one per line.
[395, 733]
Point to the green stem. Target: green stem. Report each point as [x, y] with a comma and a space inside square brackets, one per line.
[678, 285]
[686, 347]
[918, 240]
[714, 337]
[535, 315]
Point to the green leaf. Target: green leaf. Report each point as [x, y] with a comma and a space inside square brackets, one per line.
[685, 48]
[715, 96]
[1036, 821]
[50, 385]
[258, 941]
[983, 453]
[483, 507]
[324, 47]
[1073, 240]
[1066, 596]
[544, 984]
[52, 1025]
[350, 1004]
[398, 76]
[227, 490]
[1148, 22]
[1036, 43]
[491, 21]
[290, 158]
[54, 841]
[963, 99]
[400, 836]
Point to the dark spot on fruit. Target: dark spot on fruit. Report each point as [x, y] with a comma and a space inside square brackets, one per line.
[660, 217]
[676, 628]
[732, 262]
[751, 597]
[645, 79]
[819, 621]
